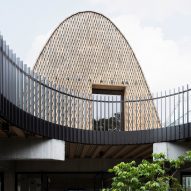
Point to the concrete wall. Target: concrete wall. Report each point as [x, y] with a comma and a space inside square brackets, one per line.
[171, 150]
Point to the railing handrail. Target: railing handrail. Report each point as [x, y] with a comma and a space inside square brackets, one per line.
[39, 101]
[139, 99]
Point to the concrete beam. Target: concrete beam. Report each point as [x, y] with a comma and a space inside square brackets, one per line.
[19, 132]
[26, 149]
[171, 150]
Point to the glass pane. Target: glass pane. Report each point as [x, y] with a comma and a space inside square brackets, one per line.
[107, 112]
[28, 182]
[186, 181]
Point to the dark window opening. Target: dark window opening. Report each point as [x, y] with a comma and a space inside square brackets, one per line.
[186, 182]
[1, 181]
[108, 109]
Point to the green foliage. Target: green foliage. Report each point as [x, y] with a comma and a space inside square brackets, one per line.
[148, 176]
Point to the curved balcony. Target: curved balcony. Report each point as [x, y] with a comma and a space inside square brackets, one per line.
[32, 103]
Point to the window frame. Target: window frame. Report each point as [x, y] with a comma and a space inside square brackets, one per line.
[112, 90]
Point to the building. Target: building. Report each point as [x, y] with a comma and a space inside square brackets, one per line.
[84, 107]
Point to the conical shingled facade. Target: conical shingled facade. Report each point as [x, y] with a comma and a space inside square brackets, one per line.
[86, 49]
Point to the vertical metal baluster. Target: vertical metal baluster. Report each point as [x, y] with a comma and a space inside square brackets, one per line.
[3, 75]
[70, 108]
[28, 88]
[40, 98]
[51, 102]
[28, 91]
[182, 104]
[136, 113]
[153, 109]
[8, 74]
[165, 108]
[121, 113]
[15, 80]
[25, 88]
[178, 105]
[112, 116]
[67, 108]
[10, 82]
[166, 132]
[62, 109]
[93, 111]
[148, 114]
[128, 117]
[74, 111]
[11, 77]
[45, 105]
[158, 122]
[116, 114]
[85, 113]
[175, 114]
[55, 94]
[187, 103]
[36, 95]
[170, 106]
[108, 112]
[48, 101]
[21, 84]
[174, 108]
[97, 118]
[101, 113]
[161, 110]
[43, 98]
[89, 111]
[58, 105]
[78, 112]
[140, 114]
[132, 114]
[4, 71]
[32, 93]
[17, 83]
[45, 102]
[144, 112]
[82, 112]
[6, 77]
[1, 69]
[104, 113]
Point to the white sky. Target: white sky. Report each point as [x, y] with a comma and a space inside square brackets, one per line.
[159, 31]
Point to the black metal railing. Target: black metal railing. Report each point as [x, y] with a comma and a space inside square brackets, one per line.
[31, 102]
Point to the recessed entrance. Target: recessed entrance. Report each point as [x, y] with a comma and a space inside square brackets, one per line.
[89, 181]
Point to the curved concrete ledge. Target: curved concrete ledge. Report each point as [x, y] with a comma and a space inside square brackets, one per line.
[35, 149]
[21, 119]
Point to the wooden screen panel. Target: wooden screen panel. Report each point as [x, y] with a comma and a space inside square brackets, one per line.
[87, 48]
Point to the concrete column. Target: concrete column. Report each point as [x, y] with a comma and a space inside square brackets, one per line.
[24, 149]
[9, 181]
[171, 150]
